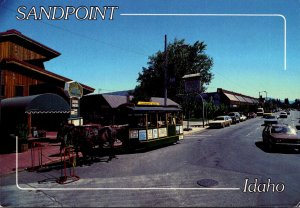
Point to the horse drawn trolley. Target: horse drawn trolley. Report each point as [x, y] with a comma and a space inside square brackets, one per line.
[140, 126]
[151, 125]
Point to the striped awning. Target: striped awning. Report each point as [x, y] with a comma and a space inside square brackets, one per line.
[231, 97]
[241, 99]
[36, 104]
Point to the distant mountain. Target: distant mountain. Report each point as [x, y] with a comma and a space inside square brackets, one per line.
[123, 93]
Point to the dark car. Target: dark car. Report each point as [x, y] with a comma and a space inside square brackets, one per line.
[283, 115]
[276, 135]
[298, 125]
[235, 116]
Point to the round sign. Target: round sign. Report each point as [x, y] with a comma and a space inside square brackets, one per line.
[73, 89]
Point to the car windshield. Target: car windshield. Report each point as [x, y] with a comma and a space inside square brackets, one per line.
[284, 130]
[219, 118]
[231, 114]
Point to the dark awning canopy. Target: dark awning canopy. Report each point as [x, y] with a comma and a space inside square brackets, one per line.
[42, 103]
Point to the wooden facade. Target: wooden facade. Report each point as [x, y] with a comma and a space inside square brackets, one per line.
[22, 74]
[13, 50]
[22, 71]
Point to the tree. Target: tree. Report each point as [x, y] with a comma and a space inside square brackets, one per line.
[182, 59]
[296, 104]
[286, 103]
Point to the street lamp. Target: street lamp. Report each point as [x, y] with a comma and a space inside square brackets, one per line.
[202, 110]
[264, 92]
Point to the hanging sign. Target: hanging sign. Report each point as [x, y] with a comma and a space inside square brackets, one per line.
[192, 83]
[73, 89]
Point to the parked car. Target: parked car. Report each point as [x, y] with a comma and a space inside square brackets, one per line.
[298, 125]
[271, 120]
[229, 118]
[283, 115]
[251, 115]
[235, 116]
[276, 135]
[220, 121]
[243, 117]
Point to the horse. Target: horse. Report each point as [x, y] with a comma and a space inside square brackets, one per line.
[88, 139]
[65, 136]
[107, 136]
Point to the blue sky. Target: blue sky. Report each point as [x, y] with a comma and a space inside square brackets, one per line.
[248, 51]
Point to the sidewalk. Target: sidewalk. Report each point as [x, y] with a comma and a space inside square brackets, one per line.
[44, 153]
[196, 126]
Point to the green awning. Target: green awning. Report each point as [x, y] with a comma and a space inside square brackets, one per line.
[34, 104]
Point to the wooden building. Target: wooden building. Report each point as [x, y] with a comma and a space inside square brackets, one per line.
[104, 108]
[23, 73]
[22, 67]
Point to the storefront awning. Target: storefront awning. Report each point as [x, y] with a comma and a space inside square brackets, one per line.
[241, 99]
[231, 97]
[249, 100]
[42, 103]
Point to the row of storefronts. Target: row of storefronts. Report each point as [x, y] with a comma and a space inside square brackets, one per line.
[231, 100]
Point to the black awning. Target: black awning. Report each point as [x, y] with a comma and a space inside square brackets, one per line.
[42, 103]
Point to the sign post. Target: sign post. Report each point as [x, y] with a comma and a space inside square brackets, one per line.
[74, 91]
[192, 84]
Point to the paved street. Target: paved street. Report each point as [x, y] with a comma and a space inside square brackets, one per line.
[214, 167]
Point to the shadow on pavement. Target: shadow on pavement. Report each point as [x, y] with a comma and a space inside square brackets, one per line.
[281, 150]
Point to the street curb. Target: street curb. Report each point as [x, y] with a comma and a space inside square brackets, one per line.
[195, 130]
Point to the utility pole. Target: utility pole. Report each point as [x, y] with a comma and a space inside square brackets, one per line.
[166, 72]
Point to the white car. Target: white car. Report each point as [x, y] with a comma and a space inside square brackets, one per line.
[283, 115]
[271, 120]
[220, 121]
[243, 118]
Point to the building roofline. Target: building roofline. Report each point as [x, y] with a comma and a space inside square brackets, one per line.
[234, 93]
[43, 72]
[15, 33]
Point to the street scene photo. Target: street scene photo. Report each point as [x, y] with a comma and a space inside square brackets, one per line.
[149, 103]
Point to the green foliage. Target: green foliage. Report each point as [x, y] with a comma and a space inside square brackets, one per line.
[296, 104]
[286, 101]
[182, 59]
[22, 131]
